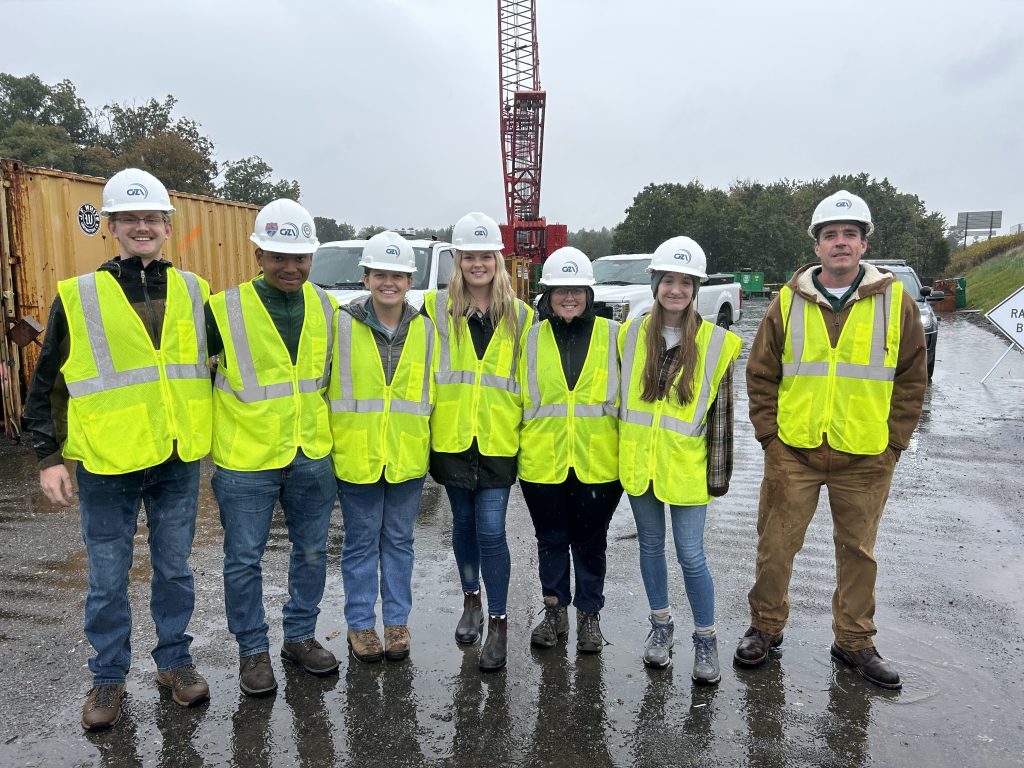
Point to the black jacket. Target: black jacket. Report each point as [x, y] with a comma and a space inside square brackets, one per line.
[45, 416]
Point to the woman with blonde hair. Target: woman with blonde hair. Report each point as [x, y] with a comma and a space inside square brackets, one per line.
[474, 428]
[675, 443]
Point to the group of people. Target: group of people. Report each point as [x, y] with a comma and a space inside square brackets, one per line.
[312, 402]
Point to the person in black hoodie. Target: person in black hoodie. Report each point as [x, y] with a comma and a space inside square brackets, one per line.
[132, 405]
[568, 452]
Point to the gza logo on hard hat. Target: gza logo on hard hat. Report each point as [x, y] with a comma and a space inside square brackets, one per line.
[480, 232]
[570, 266]
[136, 190]
[843, 203]
[289, 230]
[683, 255]
[271, 228]
[307, 231]
[392, 250]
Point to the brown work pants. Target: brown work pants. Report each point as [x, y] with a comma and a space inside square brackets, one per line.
[858, 487]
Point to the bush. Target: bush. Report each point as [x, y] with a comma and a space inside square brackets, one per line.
[967, 259]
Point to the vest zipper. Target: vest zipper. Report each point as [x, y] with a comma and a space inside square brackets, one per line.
[149, 308]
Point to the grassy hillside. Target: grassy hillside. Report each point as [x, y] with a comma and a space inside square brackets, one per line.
[993, 280]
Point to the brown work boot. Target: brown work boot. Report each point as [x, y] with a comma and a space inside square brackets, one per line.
[365, 645]
[188, 687]
[553, 627]
[493, 654]
[102, 707]
[471, 623]
[870, 665]
[753, 648]
[256, 675]
[311, 656]
[397, 642]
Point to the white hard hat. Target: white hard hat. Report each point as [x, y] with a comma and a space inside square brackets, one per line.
[477, 232]
[842, 206]
[389, 251]
[135, 190]
[680, 254]
[284, 226]
[567, 266]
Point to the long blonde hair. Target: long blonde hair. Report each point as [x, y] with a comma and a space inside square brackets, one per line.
[502, 308]
[686, 360]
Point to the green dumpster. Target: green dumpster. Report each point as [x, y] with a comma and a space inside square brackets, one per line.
[750, 283]
[961, 292]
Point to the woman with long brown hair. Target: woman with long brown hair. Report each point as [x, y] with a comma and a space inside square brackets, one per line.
[675, 442]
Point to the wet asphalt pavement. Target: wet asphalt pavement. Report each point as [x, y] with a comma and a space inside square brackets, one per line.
[950, 614]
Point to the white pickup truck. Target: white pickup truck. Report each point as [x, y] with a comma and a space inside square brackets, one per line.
[623, 291]
[336, 269]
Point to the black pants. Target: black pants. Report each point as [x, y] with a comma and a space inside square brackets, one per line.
[572, 516]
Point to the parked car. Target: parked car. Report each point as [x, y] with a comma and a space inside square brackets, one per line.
[336, 269]
[924, 296]
[623, 291]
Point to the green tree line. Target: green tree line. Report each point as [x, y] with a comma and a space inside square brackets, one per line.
[764, 226]
[51, 126]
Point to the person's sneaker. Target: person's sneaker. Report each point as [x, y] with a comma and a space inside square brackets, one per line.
[494, 653]
[706, 670]
[365, 645]
[188, 687]
[256, 675]
[471, 623]
[102, 707]
[397, 642]
[658, 647]
[553, 627]
[311, 656]
[753, 648]
[870, 665]
[588, 632]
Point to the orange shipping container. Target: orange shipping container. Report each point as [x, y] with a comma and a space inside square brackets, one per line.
[50, 229]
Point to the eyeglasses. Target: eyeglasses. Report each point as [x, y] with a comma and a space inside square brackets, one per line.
[570, 290]
[134, 221]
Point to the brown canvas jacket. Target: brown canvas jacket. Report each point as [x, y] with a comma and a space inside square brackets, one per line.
[764, 366]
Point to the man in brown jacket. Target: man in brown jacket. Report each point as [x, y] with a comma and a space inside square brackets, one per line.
[836, 380]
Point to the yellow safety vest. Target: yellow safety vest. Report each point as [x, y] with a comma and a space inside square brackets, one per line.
[476, 398]
[130, 402]
[379, 427]
[664, 442]
[564, 428]
[265, 408]
[844, 392]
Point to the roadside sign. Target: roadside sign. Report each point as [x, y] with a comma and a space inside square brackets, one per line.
[1008, 316]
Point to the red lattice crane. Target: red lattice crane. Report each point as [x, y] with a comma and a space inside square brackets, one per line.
[522, 104]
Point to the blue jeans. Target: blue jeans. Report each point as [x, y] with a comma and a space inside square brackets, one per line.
[109, 507]
[478, 539]
[688, 534]
[306, 490]
[379, 520]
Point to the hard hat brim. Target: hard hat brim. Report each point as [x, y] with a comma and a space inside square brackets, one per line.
[278, 247]
[107, 210]
[683, 271]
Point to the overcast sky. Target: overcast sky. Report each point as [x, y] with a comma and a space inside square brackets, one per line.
[386, 111]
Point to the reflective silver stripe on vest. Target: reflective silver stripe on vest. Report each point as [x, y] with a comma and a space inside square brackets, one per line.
[445, 374]
[561, 410]
[349, 404]
[200, 370]
[692, 428]
[107, 377]
[875, 370]
[251, 391]
[308, 386]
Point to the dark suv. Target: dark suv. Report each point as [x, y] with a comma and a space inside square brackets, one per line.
[923, 295]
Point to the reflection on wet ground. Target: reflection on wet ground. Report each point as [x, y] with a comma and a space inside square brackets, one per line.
[950, 612]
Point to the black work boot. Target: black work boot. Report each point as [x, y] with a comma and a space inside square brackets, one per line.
[588, 632]
[471, 623]
[753, 648]
[494, 653]
[870, 665]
